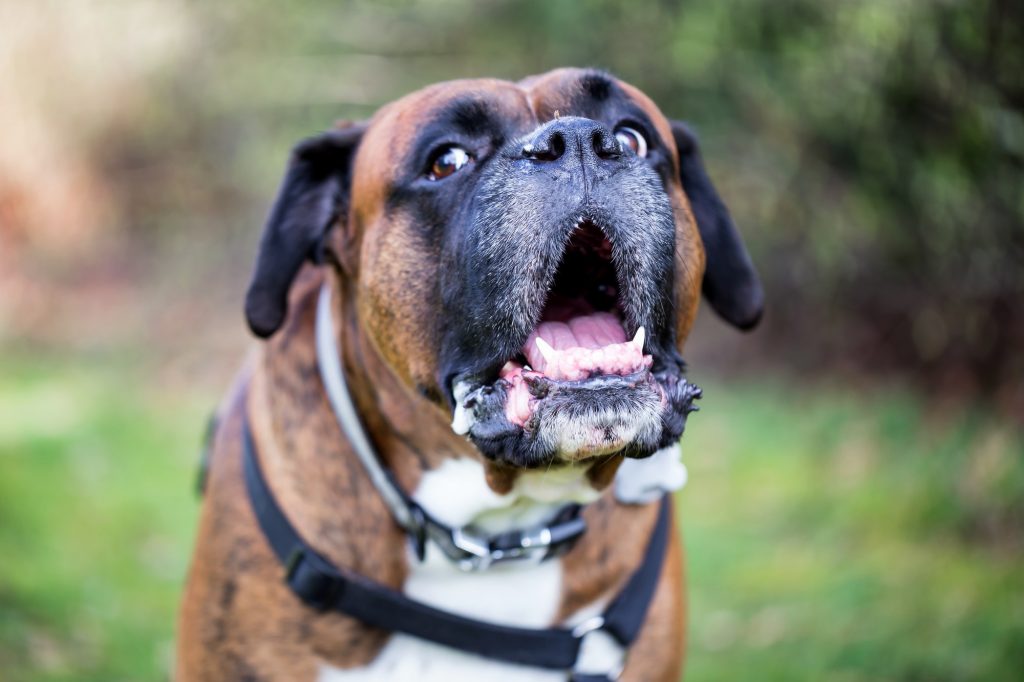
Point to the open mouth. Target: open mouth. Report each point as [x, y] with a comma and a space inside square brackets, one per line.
[581, 336]
[581, 385]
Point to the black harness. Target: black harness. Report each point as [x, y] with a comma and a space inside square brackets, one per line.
[326, 587]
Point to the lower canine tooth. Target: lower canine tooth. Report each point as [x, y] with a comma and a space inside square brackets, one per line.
[638, 340]
[549, 353]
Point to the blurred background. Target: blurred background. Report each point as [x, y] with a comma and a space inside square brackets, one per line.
[855, 509]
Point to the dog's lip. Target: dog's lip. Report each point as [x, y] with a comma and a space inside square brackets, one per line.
[476, 400]
[526, 390]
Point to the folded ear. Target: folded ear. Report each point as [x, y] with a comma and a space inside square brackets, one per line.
[731, 284]
[313, 194]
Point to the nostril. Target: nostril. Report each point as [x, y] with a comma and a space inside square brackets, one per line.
[549, 149]
[605, 145]
[557, 144]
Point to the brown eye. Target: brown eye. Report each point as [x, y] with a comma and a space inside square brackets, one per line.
[450, 160]
[633, 139]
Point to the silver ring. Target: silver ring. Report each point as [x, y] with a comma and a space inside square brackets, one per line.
[588, 626]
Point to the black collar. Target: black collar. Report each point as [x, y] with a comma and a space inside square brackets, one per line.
[326, 587]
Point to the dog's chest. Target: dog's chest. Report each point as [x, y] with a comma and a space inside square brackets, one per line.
[512, 594]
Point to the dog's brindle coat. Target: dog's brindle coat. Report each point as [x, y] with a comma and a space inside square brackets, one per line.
[351, 200]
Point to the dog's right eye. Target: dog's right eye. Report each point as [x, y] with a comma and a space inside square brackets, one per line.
[632, 138]
[447, 161]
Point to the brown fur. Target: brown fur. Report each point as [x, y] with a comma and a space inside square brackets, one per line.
[238, 620]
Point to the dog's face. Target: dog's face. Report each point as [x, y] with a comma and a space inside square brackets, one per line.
[531, 255]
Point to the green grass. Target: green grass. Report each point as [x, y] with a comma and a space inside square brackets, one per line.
[833, 537]
[96, 519]
[830, 536]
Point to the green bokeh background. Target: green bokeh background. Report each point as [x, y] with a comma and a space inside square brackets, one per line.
[855, 509]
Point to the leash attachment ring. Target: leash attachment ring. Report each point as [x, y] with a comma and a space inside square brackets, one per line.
[612, 672]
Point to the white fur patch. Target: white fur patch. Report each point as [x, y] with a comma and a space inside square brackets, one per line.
[640, 481]
[457, 494]
[462, 420]
[602, 431]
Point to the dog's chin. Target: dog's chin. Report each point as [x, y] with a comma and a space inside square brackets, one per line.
[571, 421]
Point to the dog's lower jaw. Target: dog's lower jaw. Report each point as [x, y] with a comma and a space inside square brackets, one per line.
[631, 416]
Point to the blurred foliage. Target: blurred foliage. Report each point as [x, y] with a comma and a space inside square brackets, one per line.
[871, 538]
[871, 151]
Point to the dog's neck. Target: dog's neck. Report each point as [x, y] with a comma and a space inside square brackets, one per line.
[410, 435]
[456, 485]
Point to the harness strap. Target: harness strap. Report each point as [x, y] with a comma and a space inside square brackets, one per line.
[323, 586]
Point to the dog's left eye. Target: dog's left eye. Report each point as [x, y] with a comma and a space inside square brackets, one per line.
[633, 139]
[448, 161]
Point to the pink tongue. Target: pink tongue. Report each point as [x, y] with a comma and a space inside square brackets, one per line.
[582, 345]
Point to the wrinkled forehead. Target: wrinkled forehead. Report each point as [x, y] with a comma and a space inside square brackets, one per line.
[501, 110]
[592, 94]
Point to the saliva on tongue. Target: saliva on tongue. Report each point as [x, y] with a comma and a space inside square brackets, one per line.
[571, 350]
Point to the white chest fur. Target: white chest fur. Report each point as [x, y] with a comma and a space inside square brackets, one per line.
[512, 594]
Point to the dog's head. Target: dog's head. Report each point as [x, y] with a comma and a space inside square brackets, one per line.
[530, 255]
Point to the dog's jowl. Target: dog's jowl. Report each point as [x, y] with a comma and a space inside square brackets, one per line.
[451, 456]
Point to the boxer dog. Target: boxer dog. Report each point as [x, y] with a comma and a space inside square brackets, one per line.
[507, 273]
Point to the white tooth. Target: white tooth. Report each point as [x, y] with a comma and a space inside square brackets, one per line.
[638, 340]
[527, 368]
[549, 353]
[461, 390]
[463, 420]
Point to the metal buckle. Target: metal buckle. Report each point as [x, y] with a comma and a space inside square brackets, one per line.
[478, 555]
[532, 547]
[476, 551]
[587, 627]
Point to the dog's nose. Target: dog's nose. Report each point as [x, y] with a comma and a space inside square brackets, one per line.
[572, 137]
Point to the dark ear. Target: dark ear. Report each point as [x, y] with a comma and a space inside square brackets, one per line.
[731, 284]
[313, 194]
